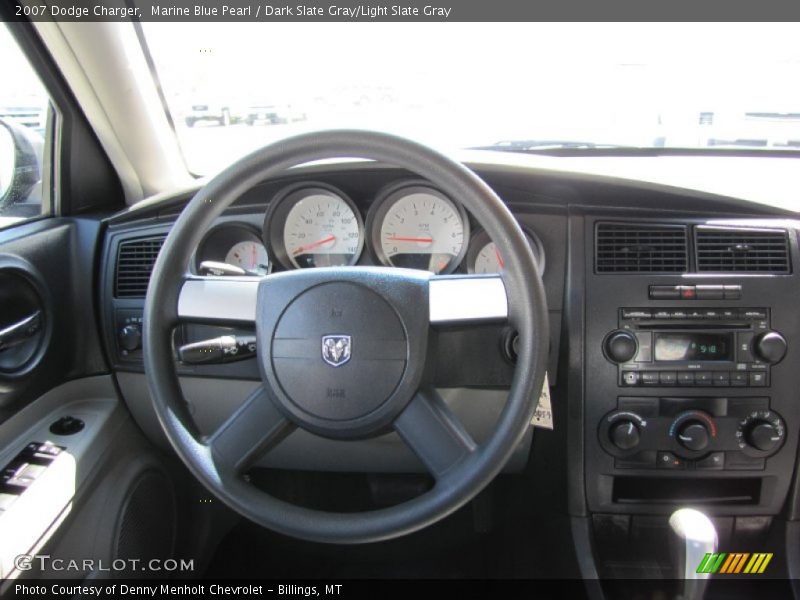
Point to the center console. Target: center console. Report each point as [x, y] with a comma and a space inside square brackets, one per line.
[691, 391]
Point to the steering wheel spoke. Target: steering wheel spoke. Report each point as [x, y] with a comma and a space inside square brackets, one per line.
[255, 427]
[433, 432]
[218, 299]
[465, 299]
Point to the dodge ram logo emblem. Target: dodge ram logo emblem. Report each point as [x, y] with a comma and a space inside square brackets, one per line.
[336, 349]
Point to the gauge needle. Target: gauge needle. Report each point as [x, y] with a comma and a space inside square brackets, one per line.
[422, 240]
[500, 260]
[308, 247]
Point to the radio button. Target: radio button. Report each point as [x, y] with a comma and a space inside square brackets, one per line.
[645, 344]
[738, 378]
[677, 314]
[630, 378]
[662, 314]
[757, 379]
[729, 313]
[721, 378]
[665, 292]
[743, 344]
[667, 378]
[650, 378]
[636, 313]
[686, 378]
[709, 292]
[712, 313]
[696, 314]
[753, 313]
[702, 378]
[732, 292]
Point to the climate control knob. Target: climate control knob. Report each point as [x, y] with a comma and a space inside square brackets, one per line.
[770, 347]
[620, 346]
[624, 435]
[761, 433]
[763, 436]
[694, 436]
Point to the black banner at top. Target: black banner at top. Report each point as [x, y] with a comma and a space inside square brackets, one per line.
[405, 10]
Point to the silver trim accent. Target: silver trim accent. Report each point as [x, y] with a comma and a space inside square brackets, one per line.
[457, 299]
[219, 299]
[452, 299]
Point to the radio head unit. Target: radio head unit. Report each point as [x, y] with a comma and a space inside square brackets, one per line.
[694, 347]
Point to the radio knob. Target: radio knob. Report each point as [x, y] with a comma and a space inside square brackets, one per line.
[763, 436]
[625, 435]
[770, 347]
[620, 346]
[693, 436]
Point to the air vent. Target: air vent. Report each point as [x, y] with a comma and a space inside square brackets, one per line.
[724, 250]
[640, 248]
[135, 260]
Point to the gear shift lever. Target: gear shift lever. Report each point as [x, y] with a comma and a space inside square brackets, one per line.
[694, 535]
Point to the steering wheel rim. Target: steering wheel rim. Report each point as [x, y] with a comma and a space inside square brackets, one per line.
[460, 482]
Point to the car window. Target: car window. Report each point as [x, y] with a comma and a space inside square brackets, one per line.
[24, 110]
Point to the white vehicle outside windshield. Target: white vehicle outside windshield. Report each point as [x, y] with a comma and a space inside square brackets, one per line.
[231, 88]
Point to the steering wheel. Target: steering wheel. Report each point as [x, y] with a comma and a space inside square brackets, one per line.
[378, 321]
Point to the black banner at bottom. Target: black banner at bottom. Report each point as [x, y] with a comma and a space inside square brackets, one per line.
[371, 589]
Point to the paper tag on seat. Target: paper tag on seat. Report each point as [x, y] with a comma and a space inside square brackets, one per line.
[543, 416]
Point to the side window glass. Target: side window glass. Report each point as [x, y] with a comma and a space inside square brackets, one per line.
[24, 114]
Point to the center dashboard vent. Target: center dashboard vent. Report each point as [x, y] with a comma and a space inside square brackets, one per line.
[135, 260]
[640, 248]
[725, 250]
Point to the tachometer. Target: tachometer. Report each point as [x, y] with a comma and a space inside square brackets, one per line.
[484, 256]
[315, 227]
[418, 227]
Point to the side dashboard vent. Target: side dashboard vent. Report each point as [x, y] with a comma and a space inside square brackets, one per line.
[135, 259]
[640, 248]
[725, 250]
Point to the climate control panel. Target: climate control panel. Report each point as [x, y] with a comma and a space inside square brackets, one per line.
[692, 433]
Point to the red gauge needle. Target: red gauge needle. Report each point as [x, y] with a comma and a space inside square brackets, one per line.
[255, 263]
[500, 260]
[308, 247]
[423, 240]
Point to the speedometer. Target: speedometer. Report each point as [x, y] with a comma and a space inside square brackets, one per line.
[315, 227]
[418, 227]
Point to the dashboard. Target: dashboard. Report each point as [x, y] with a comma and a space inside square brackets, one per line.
[673, 320]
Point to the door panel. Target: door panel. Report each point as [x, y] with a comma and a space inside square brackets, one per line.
[50, 262]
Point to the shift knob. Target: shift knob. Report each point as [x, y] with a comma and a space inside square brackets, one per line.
[693, 536]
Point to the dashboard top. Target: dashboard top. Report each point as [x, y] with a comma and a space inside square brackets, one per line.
[754, 185]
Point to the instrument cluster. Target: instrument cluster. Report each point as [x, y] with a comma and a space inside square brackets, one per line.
[409, 224]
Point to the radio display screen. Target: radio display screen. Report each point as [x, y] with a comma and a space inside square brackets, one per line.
[674, 347]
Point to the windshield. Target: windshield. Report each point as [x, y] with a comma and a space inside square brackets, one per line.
[523, 87]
